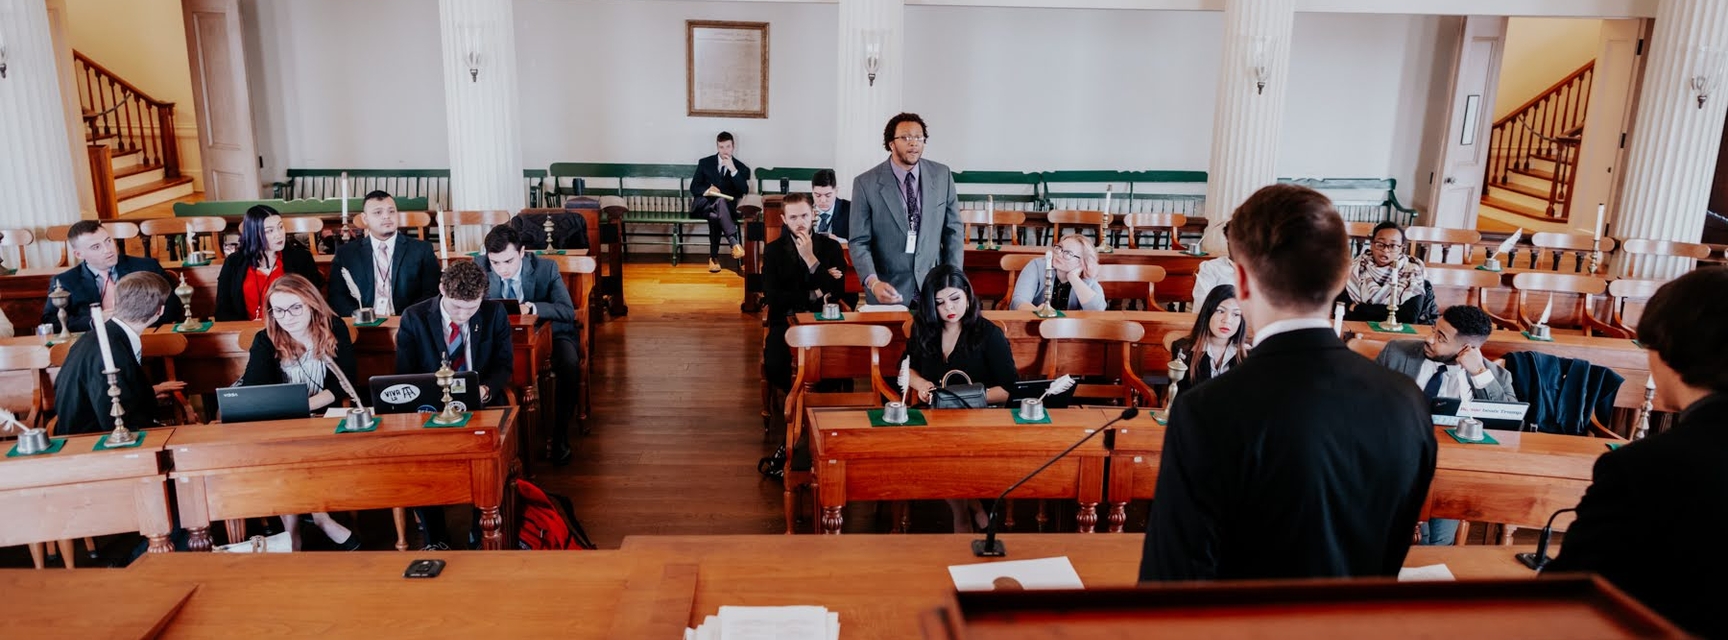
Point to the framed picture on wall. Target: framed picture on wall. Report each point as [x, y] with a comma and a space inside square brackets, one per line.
[726, 68]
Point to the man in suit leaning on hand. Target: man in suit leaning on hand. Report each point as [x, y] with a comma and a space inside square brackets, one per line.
[905, 217]
[1306, 460]
[720, 181]
[1451, 360]
[516, 273]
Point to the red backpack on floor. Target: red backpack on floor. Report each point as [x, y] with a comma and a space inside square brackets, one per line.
[547, 521]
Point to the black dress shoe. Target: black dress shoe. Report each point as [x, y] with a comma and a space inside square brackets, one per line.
[352, 544]
[562, 454]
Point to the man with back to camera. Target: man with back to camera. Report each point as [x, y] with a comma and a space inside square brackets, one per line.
[1306, 460]
[905, 216]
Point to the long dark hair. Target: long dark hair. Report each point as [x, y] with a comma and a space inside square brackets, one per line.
[253, 244]
[926, 338]
[1201, 333]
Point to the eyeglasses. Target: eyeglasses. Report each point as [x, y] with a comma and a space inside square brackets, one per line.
[1388, 247]
[915, 139]
[1071, 255]
[291, 312]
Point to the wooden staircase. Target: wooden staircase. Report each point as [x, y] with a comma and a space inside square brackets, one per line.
[130, 137]
[1533, 151]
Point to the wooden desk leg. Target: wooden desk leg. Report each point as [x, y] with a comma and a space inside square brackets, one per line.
[831, 492]
[400, 515]
[198, 538]
[831, 519]
[194, 513]
[1088, 517]
[491, 537]
[1118, 516]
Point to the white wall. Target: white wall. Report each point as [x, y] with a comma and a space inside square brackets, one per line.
[1539, 52]
[143, 42]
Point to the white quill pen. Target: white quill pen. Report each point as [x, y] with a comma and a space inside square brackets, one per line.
[353, 289]
[1505, 248]
[905, 377]
[1546, 309]
[1058, 386]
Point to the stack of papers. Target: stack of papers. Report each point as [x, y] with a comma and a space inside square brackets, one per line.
[768, 623]
[1433, 572]
[1016, 575]
[872, 308]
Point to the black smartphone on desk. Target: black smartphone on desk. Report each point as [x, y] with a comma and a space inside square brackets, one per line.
[424, 569]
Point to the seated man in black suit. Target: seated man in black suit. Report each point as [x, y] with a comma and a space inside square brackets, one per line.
[1648, 502]
[515, 273]
[832, 218]
[717, 175]
[1306, 460]
[473, 333]
[382, 265]
[81, 393]
[93, 281]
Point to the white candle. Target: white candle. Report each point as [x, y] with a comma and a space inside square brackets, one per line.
[1600, 208]
[344, 195]
[443, 239]
[97, 325]
[1650, 383]
[1107, 189]
[1338, 319]
[1047, 263]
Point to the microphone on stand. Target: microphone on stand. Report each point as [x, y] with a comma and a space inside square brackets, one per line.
[990, 547]
[1539, 559]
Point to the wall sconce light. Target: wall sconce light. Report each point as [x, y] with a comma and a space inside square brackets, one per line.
[1258, 64]
[872, 54]
[473, 60]
[471, 35]
[1708, 73]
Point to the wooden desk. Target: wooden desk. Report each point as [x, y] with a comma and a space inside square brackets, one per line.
[961, 454]
[984, 270]
[24, 294]
[225, 472]
[1520, 481]
[78, 492]
[1624, 357]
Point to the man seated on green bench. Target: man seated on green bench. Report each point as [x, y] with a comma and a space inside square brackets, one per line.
[719, 182]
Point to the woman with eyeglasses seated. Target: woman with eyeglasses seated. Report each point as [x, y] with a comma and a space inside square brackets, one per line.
[1383, 271]
[1216, 342]
[264, 255]
[1076, 282]
[304, 342]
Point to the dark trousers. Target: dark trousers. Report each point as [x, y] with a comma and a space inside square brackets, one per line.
[777, 357]
[567, 365]
[720, 223]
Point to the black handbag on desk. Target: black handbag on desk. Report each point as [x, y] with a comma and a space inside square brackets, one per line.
[958, 396]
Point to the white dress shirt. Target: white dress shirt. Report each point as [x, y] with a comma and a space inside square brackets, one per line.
[1212, 273]
[1453, 385]
[1292, 324]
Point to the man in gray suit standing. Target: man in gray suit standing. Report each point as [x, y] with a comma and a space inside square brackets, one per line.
[905, 216]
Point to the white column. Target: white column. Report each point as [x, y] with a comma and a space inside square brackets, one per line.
[480, 108]
[36, 177]
[57, 20]
[863, 108]
[1672, 161]
[1245, 125]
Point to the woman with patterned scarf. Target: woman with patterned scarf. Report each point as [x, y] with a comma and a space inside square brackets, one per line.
[1383, 271]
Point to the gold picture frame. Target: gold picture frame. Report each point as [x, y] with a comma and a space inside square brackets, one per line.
[726, 69]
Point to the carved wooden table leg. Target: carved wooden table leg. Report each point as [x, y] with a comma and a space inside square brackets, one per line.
[831, 520]
[531, 431]
[491, 535]
[1118, 516]
[198, 538]
[159, 543]
[1088, 517]
[1008, 515]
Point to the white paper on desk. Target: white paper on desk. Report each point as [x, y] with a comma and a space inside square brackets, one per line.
[1430, 573]
[870, 308]
[1042, 573]
[279, 543]
[336, 412]
[777, 623]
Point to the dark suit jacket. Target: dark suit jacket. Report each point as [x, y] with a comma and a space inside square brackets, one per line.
[840, 225]
[708, 174]
[264, 366]
[1644, 500]
[1405, 357]
[420, 344]
[543, 286]
[231, 282]
[79, 282]
[1306, 460]
[414, 274]
[787, 281]
[81, 392]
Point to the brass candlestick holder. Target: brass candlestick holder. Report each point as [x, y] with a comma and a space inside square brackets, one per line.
[990, 243]
[184, 293]
[1104, 245]
[1595, 256]
[120, 436]
[1048, 310]
[547, 227]
[1178, 371]
[1643, 428]
[60, 297]
[449, 415]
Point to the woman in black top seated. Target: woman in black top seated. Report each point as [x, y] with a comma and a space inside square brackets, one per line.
[949, 334]
[1216, 343]
[304, 342]
[264, 256]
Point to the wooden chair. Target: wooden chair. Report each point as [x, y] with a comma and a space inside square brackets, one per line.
[1551, 249]
[19, 363]
[1625, 292]
[120, 231]
[1151, 275]
[212, 226]
[482, 220]
[1636, 251]
[1583, 286]
[1435, 245]
[1155, 224]
[1013, 264]
[164, 228]
[311, 226]
[19, 238]
[1076, 218]
[1119, 334]
[417, 221]
[1360, 233]
[1476, 283]
[809, 341]
[984, 218]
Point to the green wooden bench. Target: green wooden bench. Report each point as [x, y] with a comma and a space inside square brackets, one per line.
[654, 195]
[1007, 190]
[430, 184]
[784, 180]
[317, 208]
[1362, 199]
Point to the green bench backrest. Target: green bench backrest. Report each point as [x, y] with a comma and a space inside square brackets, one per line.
[1181, 192]
[1010, 190]
[237, 208]
[797, 179]
[662, 189]
[1361, 199]
[432, 184]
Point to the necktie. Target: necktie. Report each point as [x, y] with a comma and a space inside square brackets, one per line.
[107, 284]
[822, 223]
[455, 351]
[914, 214]
[510, 290]
[1432, 389]
[381, 284]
